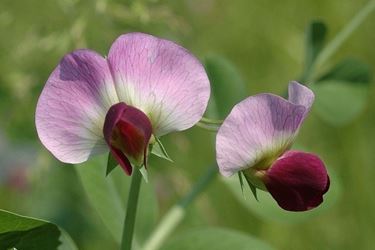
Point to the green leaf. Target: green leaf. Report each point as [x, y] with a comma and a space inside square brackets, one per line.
[159, 150]
[341, 93]
[227, 86]
[215, 238]
[339, 102]
[102, 194]
[349, 70]
[108, 196]
[315, 36]
[28, 233]
[111, 164]
[267, 208]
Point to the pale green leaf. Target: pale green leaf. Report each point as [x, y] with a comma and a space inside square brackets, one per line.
[339, 102]
[227, 86]
[108, 196]
[102, 193]
[215, 239]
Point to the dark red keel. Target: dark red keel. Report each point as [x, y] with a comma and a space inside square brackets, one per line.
[127, 131]
[297, 181]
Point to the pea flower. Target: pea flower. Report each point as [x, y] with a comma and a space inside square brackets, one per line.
[255, 139]
[146, 87]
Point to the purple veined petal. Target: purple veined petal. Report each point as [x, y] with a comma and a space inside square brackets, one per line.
[160, 78]
[259, 129]
[301, 95]
[72, 107]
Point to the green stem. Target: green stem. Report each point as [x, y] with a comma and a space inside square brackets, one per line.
[340, 38]
[131, 211]
[177, 213]
[211, 128]
[211, 121]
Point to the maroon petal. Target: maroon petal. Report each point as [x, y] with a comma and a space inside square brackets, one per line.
[127, 131]
[297, 181]
[122, 160]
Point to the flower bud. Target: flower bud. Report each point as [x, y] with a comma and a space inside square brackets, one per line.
[127, 131]
[296, 180]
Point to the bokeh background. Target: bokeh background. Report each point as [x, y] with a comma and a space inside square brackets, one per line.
[264, 40]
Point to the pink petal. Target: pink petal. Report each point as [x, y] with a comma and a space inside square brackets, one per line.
[301, 95]
[72, 107]
[297, 181]
[160, 78]
[259, 129]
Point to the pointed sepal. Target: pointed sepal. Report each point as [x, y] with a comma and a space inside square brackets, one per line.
[159, 150]
[240, 177]
[111, 164]
[144, 173]
[252, 188]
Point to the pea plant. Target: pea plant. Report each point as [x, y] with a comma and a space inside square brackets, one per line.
[108, 114]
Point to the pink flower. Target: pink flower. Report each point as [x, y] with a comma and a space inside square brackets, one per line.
[145, 87]
[255, 139]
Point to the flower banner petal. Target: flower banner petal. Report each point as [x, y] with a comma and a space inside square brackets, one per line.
[72, 107]
[160, 78]
[301, 95]
[258, 130]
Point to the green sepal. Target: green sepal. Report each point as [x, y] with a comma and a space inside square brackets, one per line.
[144, 173]
[111, 164]
[252, 188]
[241, 181]
[158, 149]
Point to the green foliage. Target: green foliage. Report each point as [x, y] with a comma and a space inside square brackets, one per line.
[263, 39]
[215, 238]
[339, 102]
[25, 233]
[349, 70]
[227, 86]
[342, 93]
[102, 194]
[315, 37]
[108, 195]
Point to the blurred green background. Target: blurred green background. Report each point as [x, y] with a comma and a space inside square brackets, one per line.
[264, 40]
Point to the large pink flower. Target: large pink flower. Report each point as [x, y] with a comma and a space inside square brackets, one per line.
[255, 139]
[147, 86]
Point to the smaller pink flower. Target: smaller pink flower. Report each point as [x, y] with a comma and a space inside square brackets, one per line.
[146, 87]
[255, 139]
